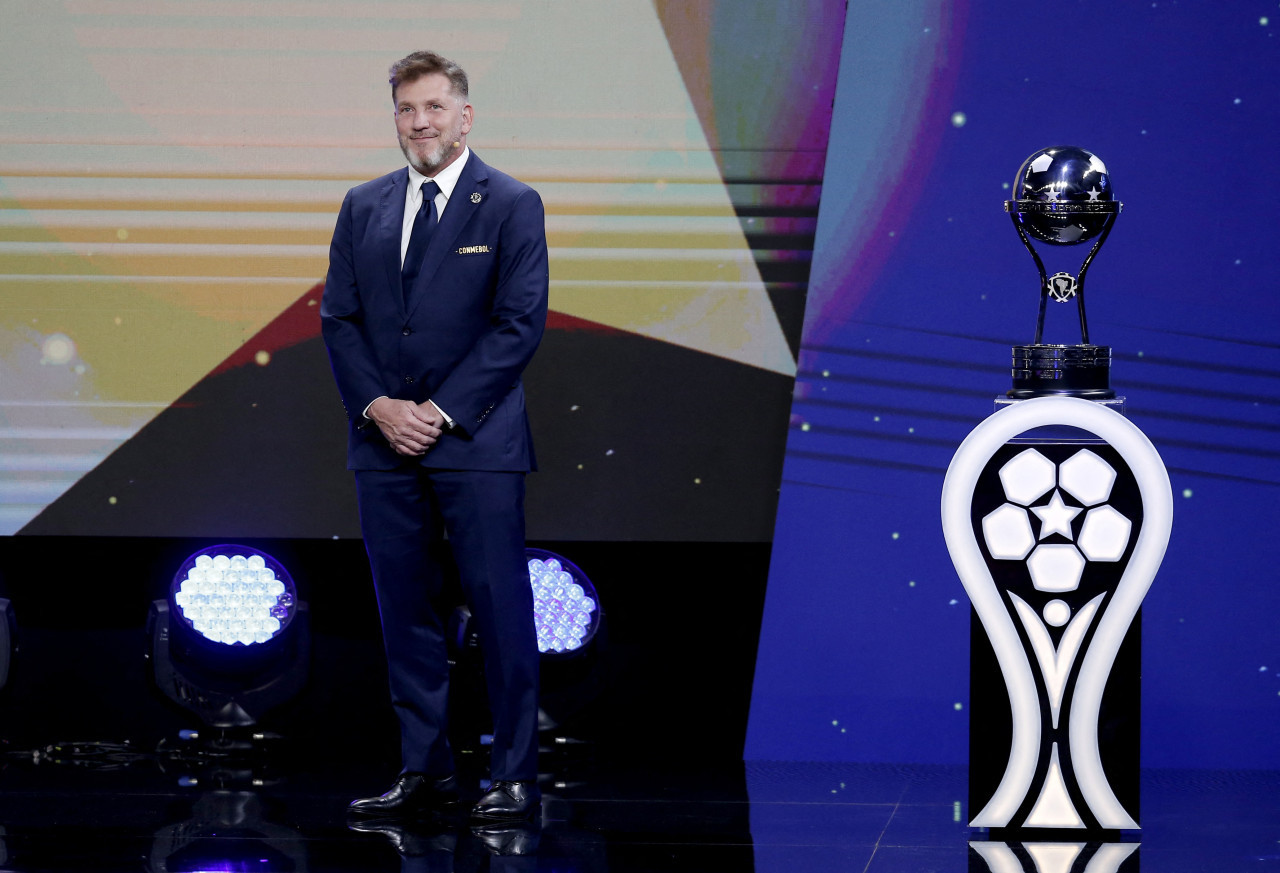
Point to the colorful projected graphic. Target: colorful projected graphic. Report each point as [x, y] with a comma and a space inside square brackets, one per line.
[169, 177]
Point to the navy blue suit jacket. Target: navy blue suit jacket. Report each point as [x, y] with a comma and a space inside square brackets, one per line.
[471, 323]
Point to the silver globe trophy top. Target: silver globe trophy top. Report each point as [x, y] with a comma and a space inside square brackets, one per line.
[1062, 197]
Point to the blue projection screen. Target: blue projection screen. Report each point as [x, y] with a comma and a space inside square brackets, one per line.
[920, 287]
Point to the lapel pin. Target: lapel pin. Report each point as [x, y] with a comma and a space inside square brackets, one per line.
[475, 196]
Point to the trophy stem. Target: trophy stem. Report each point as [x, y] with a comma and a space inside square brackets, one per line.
[1044, 277]
[1044, 300]
[1084, 268]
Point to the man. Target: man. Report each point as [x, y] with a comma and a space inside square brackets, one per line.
[435, 301]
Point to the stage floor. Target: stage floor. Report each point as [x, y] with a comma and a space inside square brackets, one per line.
[105, 807]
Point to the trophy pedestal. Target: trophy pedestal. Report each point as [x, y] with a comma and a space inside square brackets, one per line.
[990, 731]
[1054, 784]
[1056, 512]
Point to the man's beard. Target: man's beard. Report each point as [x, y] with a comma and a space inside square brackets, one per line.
[436, 157]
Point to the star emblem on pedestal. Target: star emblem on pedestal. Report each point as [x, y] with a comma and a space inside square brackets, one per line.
[1055, 516]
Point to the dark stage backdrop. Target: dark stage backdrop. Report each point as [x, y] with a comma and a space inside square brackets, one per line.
[920, 287]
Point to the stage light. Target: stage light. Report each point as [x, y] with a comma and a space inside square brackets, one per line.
[566, 611]
[571, 630]
[571, 637]
[232, 639]
[234, 595]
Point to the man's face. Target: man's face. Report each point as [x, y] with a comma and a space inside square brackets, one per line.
[429, 120]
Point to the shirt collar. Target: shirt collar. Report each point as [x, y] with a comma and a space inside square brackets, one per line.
[447, 178]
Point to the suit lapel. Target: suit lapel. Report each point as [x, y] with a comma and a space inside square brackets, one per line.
[391, 231]
[467, 199]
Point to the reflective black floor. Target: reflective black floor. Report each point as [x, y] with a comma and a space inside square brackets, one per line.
[105, 807]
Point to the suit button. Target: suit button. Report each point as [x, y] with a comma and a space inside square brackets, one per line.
[408, 379]
[407, 331]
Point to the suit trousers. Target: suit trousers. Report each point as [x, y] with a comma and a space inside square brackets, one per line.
[405, 514]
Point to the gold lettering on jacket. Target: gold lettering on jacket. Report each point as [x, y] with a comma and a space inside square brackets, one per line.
[473, 250]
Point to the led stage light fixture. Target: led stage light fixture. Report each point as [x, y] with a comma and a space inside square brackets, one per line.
[234, 595]
[566, 612]
[569, 623]
[232, 639]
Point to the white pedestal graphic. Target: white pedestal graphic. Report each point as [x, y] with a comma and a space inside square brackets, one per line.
[1056, 541]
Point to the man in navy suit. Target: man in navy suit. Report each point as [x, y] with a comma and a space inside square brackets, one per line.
[434, 303]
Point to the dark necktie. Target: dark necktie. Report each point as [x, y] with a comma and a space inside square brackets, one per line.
[423, 223]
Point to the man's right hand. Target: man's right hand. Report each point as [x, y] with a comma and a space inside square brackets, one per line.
[407, 427]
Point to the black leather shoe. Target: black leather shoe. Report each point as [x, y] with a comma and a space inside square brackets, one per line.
[507, 801]
[412, 793]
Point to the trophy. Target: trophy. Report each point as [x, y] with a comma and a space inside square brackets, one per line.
[1056, 512]
[1063, 198]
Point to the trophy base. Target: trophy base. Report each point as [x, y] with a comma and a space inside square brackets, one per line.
[1044, 370]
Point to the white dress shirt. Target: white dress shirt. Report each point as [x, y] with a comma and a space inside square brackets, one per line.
[447, 179]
